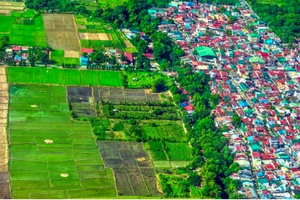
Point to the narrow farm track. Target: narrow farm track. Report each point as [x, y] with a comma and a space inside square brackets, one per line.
[4, 174]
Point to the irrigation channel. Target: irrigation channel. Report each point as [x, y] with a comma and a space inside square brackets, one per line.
[4, 174]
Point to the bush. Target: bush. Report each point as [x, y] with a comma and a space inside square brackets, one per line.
[118, 127]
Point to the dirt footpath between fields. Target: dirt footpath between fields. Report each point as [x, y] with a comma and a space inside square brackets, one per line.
[4, 156]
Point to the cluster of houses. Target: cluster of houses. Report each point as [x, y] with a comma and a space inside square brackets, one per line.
[129, 59]
[19, 54]
[257, 78]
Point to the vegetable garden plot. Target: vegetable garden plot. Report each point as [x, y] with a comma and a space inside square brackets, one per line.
[110, 153]
[113, 162]
[128, 159]
[137, 153]
[151, 184]
[79, 91]
[137, 146]
[138, 184]
[127, 165]
[122, 145]
[107, 144]
[79, 94]
[83, 110]
[142, 162]
[123, 184]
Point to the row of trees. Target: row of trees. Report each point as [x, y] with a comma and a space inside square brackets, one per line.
[209, 147]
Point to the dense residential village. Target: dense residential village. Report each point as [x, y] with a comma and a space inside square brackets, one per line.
[257, 78]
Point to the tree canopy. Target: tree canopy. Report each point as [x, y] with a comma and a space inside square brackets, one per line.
[282, 17]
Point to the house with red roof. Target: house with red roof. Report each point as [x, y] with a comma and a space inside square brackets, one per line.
[87, 50]
[128, 56]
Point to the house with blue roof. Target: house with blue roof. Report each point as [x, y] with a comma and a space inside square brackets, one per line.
[84, 61]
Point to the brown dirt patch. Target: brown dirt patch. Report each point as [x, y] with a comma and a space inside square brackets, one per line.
[128, 44]
[5, 12]
[93, 36]
[3, 86]
[3, 93]
[3, 106]
[2, 71]
[3, 100]
[82, 36]
[104, 36]
[3, 114]
[147, 91]
[4, 167]
[71, 54]
[109, 36]
[141, 159]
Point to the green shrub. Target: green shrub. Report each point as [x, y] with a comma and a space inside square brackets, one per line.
[118, 127]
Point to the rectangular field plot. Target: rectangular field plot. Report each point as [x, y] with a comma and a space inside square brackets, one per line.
[129, 160]
[117, 95]
[61, 31]
[52, 156]
[35, 75]
[6, 24]
[157, 151]
[178, 151]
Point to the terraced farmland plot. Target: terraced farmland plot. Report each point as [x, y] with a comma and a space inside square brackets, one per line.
[133, 170]
[52, 156]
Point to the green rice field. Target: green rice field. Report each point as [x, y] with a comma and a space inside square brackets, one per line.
[24, 29]
[52, 156]
[56, 76]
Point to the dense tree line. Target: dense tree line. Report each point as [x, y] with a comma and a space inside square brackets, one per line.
[282, 17]
[209, 147]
